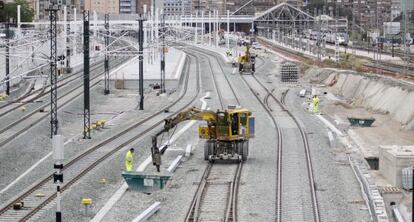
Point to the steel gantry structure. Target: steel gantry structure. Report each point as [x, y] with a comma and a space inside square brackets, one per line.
[282, 19]
[53, 69]
[86, 84]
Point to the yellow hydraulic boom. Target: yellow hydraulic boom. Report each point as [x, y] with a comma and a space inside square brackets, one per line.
[227, 133]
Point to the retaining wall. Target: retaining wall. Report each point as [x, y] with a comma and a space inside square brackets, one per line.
[381, 94]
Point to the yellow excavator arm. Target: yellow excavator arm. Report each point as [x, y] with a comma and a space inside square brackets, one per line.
[190, 114]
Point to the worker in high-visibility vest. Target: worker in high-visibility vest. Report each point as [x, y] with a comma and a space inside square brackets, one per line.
[315, 102]
[129, 158]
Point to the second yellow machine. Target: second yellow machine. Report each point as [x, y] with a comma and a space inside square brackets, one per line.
[227, 133]
[247, 61]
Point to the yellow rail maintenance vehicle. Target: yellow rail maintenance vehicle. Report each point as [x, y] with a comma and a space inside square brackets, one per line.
[247, 61]
[227, 133]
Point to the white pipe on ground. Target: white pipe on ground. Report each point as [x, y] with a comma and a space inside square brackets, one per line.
[144, 216]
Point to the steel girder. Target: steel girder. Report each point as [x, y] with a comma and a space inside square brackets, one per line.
[283, 18]
[284, 12]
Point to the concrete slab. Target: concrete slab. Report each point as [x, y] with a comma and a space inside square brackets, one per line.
[188, 150]
[148, 212]
[332, 141]
[175, 164]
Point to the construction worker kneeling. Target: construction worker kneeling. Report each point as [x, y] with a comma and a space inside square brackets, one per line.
[129, 160]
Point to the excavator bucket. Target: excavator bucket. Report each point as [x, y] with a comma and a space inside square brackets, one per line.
[145, 183]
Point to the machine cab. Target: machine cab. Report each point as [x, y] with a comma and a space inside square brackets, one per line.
[241, 124]
[232, 124]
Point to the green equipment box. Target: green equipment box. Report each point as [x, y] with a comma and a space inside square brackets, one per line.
[365, 122]
[145, 183]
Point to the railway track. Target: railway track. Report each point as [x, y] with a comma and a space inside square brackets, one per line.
[219, 81]
[390, 69]
[39, 93]
[23, 123]
[386, 68]
[285, 164]
[79, 166]
[287, 53]
[288, 173]
[289, 177]
[217, 192]
[29, 97]
[216, 195]
[349, 49]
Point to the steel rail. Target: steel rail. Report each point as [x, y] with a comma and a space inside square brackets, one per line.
[222, 70]
[279, 150]
[36, 110]
[265, 105]
[389, 68]
[43, 92]
[77, 159]
[193, 211]
[230, 211]
[218, 90]
[231, 214]
[232, 194]
[315, 205]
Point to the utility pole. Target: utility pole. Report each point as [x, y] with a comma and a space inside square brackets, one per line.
[319, 41]
[53, 8]
[67, 30]
[162, 82]
[325, 27]
[307, 30]
[7, 57]
[202, 28]
[217, 28]
[58, 148]
[196, 26]
[141, 59]
[300, 32]
[228, 30]
[377, 29]
[106, 90]
[353, 33]
[209, 28]
[336, 35]
[86, 96]
[406, 46]
[68, 50]
[75, 32]
[57, 176]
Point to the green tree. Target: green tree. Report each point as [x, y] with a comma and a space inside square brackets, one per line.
[10, 11]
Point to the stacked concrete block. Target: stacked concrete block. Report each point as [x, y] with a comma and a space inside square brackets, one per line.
[289, 72]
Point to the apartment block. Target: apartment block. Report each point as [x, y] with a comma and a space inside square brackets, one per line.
[102, 6]
[372, 13]
[395, 9]
[128, 6]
